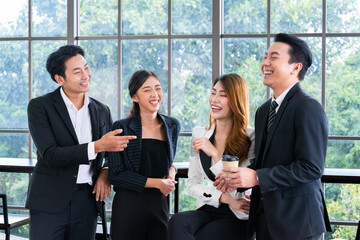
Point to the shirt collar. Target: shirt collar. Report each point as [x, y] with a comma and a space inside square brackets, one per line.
[282, 96]
[69, 104]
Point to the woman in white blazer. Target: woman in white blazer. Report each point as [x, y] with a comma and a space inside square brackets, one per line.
[218, 215]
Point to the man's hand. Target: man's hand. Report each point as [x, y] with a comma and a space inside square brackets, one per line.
[102, 187]
[241, 177]
[112, 143]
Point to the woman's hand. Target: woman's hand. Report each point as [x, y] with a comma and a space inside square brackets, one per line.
[166, 186]
[242, 204]
[222, 185]
[206, 146]
[172, 173]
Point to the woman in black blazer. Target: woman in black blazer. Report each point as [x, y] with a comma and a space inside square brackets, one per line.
[143, 174]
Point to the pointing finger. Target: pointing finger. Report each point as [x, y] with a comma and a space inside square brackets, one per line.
[130, 137]
[116, 132]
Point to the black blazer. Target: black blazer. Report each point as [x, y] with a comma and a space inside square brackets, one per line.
[124, 166]
[58, 150]
[290, 161]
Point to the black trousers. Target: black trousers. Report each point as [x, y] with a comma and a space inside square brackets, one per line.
[76, 222]
[207, 223]
[262, 231]
[139, 216]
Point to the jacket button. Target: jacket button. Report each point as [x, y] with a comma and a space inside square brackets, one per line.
[207, 195]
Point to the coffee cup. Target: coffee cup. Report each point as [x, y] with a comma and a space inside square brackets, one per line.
[229, 161]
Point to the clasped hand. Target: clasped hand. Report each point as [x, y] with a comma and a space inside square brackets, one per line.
[242, 204]
[166, 186]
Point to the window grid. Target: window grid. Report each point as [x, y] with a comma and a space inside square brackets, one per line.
[73, 22]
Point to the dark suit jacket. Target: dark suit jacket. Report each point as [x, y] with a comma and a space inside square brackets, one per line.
[58, 150]
[124, 166]
[290, 161]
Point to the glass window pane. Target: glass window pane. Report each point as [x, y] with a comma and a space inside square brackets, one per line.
[15, 186]
[341, 232]
[34, 150]
[14, 18]
[244, 56]
[101, 56]
[98, 17]
[191, 17]
[186, 203]
[245, 16]
[312, 81]
[297, 16]
[183, 149]
[144, 17]
[343, 154]
[13, 84]
[41, 79]
[342, 202]
[342, 16]
[14, 145]
[49, 18]
[343, 86]
[191, 82]
[149, 54]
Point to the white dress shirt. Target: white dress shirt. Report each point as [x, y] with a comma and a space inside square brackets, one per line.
[81, 122]
[280, 98]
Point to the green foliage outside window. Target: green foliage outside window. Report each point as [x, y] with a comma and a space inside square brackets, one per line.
[191, 71]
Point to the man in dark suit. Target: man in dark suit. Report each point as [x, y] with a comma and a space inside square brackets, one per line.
[291, 133]
[71, 134]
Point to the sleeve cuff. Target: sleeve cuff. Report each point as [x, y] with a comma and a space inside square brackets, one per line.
[91, 151]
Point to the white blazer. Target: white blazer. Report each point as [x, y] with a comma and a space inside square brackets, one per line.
[198, 183]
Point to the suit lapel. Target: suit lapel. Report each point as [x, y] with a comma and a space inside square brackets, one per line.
[94, 118]
[204, 158]
[261, 129]
[279, 115]
[206, 162]
[169, 139]
[135, 144]
[61, 109]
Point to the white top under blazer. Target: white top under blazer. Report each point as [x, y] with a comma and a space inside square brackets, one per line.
[200, 186]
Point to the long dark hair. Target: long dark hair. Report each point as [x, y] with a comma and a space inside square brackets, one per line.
[135, 82]
[237, 92]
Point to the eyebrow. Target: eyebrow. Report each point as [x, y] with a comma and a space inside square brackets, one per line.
[272, 53]
[157, 85]
[75, 69]
[219, 90]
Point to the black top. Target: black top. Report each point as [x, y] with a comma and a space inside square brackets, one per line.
[124, 166]
[154, 160]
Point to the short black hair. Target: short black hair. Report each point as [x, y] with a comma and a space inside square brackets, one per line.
[55, 63]
[299, 51]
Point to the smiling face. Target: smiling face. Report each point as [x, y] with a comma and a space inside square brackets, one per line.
[219, 104]
[278, 73]
[149, 95]
[77, 76]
